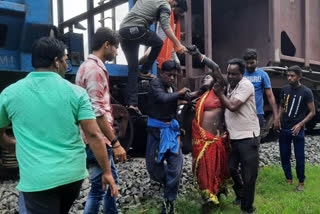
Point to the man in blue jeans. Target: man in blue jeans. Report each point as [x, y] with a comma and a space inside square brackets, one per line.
[297, 108]
[94, 77]
[134, 31]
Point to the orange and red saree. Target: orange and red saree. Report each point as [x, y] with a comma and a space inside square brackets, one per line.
[209, 156]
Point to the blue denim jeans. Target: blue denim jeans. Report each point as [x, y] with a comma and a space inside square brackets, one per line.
[168, 174]
[96, 193]
[21, 204]
[285, 140]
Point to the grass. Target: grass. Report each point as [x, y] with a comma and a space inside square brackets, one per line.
[273, 196]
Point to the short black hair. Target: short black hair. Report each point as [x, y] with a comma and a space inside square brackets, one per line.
[296, 69]
[182, 4]
[45, 49]
[238, 62]
[250, 53]
[102, 35]
[170, 65]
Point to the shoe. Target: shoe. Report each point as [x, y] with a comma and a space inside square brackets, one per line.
[167, 207]
[134, 109]
[236, 201]
[300, 187]
[251, 211]
[289, 181]
[147, 76]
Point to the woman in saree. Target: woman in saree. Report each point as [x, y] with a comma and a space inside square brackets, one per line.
[210, 144]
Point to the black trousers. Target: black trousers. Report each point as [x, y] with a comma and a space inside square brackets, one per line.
[246, 153]
[53, 201]
[131, 39]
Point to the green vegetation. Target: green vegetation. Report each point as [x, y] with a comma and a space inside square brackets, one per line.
[273, 196]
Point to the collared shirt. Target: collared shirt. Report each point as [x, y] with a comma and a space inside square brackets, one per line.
[94, 77]
[244, 122]
[45, 111]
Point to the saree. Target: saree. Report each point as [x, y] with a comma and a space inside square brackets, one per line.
[209, 156]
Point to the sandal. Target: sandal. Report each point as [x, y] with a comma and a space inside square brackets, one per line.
[148, 76]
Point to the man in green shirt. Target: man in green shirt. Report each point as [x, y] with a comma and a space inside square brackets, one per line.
[45, 111]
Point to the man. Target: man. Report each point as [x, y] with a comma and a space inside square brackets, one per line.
[296, 109]
[163, 99]
[45, 111]
[261, 82]
[168, 52]
[134, 31]
[94, 77]
[241, 109]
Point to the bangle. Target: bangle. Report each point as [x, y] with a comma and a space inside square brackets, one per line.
[114, 140]
[114, 147]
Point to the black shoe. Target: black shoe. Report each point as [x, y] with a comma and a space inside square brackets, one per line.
[236, 201]
[167, 207]
[251, 211]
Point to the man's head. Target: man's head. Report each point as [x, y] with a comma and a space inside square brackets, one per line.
[235, 71]
[250, 57]
[180, 8]
[173, 3]
[49, 54]
[106, 41]
[169, 71]
[294, 75]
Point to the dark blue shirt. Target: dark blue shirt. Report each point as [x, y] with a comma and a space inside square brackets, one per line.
[162, 103]
[295, 105]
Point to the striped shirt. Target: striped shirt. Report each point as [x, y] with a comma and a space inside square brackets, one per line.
[93, 76]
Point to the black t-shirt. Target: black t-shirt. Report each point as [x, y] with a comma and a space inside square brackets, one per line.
[295, 105]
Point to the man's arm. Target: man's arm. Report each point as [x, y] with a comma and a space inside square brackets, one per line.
[6, 141]
[233, 105]
[296, 129]
[118, 151]
[170, 34]
[98, 147]
[161, 96]
[272, 102]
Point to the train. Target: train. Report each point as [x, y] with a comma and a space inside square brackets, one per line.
[284, 33]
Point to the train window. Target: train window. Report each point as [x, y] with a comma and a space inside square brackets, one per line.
[287, 47]
[3, 34]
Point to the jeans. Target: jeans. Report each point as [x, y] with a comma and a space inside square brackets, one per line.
[285, 140]
[246, 153]
[53, 201]
[96, 193]
[22, 205]
[168, 174]
[131, 39]
[261, 120]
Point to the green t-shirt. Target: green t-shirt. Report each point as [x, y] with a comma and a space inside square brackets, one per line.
[45, 111]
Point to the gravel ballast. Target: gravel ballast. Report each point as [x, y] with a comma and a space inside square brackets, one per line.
[135, 183]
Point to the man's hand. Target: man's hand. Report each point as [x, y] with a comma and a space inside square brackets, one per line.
[276, 124]
[218, 89]
[183, 91]
[296, 129]
[181, 49]
[194, 51]
[119, 153]
[108, 179]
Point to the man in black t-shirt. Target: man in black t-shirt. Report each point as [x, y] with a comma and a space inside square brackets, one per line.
[296, 109]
